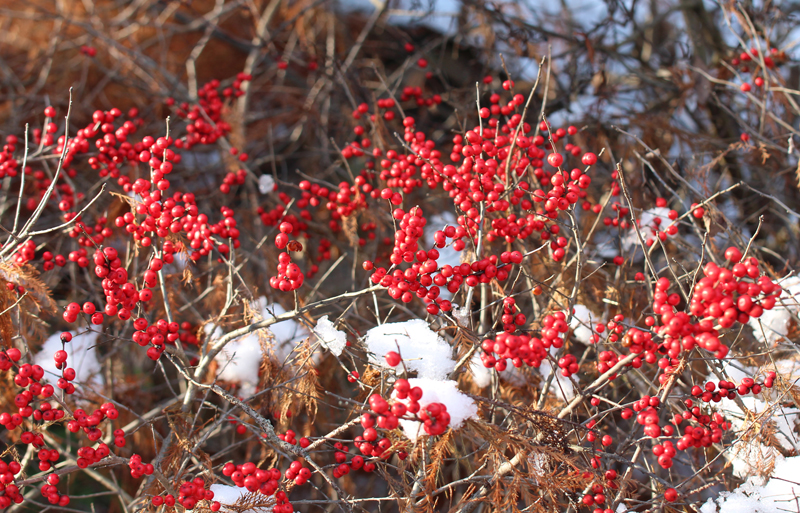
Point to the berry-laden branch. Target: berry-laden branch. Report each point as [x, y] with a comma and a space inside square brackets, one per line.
[272, 372]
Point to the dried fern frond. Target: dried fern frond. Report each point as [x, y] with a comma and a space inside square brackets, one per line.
[250, 502]
[38, 292]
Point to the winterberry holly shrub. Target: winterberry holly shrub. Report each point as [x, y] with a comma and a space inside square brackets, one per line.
[298, 279]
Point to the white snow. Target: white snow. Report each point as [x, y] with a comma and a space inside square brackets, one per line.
[777, 495]
[561, 385]
[461, 315]
[422, 350]
[647, 227]
[747, 458]
[239, 363]
[459, 406]
[287, 333]
[430, 356]
[775, 322]
[240, 360]
[482, 376]
[583, 323]
[82, 356]
[266, 184]
[329, 336]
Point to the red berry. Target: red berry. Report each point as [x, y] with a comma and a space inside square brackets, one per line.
[555, 159]
[392, 359]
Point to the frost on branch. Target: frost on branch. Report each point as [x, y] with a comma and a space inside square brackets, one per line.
[422, 350]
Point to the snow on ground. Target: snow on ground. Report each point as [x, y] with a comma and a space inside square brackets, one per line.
[82, 356]
[421, 349]
[746, 457]
[459, 406]
[240, 360]
[777, 495]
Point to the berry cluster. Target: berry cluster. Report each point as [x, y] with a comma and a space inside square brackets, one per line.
[297, 473]
[110, 132]
[193, 491]
[89, 456]
[139, 469]
[524, 348]
[89, 422]
[29, 376]
[771, 58]
[160, 333]
[289, 277]
[51, 493]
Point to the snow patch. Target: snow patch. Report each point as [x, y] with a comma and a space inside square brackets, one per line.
[240, 360]
[461, 315]
[561, 386]
[746, 457]
[482, 376]
[82, 356]
[422, 350]
[460, 406]
[329, 336]
[775, 322]
[757, 496]
[583, 323]
[266, 184]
